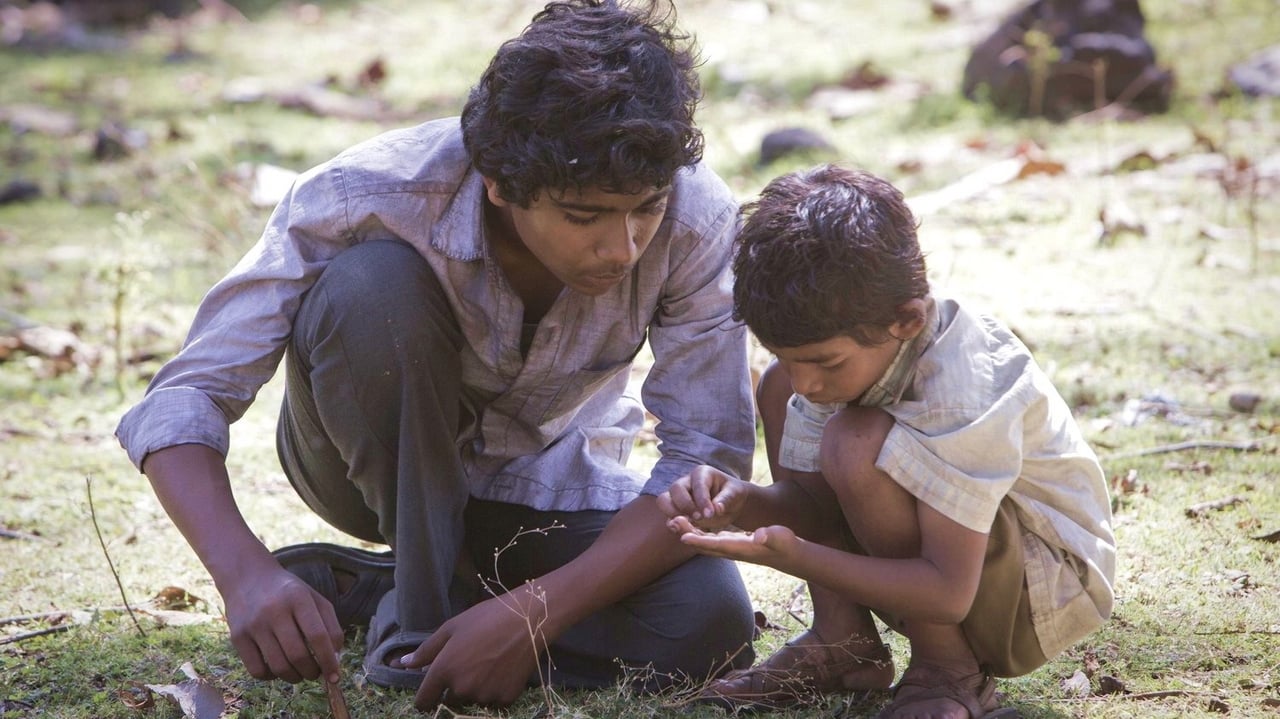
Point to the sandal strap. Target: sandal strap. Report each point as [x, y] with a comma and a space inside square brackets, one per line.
[796, 672]
[975, 692]
[314, 563]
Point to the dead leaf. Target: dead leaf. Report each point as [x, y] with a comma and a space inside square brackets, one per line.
[373, 74]
[176, 598]
[1035, 161]
[136, 696]
[1091, 663]
[866, 76]
[1128, 484]
[1077, 685]
[196, 698]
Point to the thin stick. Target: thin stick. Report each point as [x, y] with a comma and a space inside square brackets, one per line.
[35, 633]
[93, 514]
[337, 702]
[24, 618]
[1247, 445]
[7, 533]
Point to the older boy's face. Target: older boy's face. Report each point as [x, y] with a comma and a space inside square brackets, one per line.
[589, 240]
[836, 370]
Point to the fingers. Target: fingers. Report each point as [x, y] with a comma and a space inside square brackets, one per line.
[296, 640]
[677, 500]
[322, 637]
[426, 651]
[682, 525]
[432, 692]
[702, 493]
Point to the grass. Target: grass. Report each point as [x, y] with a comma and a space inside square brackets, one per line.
[1185, 311]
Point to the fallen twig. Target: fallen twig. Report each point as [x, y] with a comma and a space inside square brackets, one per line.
[6, 533]
[337, 702]
[1203, 508]
[1168, 693]
[93, 514]
[24, 618]
[35, 633]
[1248, 445]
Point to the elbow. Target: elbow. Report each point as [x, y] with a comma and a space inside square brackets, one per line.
[951, 614]
[949, 607]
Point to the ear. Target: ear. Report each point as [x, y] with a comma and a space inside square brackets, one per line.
[911, 317]
[491, 190]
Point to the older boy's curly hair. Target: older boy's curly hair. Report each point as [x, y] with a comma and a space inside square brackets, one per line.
[591, 95]
[824, 253]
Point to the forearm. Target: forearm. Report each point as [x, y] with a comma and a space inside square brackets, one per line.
[911, 588]
[191, 482]
[802, 502]
[635, 549]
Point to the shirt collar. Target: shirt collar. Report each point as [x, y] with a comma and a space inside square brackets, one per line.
[895, 380]
[459, 233]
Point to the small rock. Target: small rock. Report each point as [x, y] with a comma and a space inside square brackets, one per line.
[1244, 401]
[19, 191]
[791, 141]
[114, 141]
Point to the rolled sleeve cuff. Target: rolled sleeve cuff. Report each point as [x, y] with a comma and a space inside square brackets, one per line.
[169, 417]
[968, 500]
[801, 443]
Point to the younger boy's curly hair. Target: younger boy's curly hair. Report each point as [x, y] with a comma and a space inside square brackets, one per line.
[824, 253]
[591, 95]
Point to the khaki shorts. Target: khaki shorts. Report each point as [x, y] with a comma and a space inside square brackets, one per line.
[999, 626]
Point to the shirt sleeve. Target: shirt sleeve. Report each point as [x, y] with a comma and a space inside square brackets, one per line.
[963, 466]
[799, 448]
[242, 325]
[699, 386]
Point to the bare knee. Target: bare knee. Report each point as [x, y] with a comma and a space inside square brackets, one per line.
[851, 442]
[879, 511]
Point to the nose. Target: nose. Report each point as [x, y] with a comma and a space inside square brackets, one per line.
[617, 244]
[804, 381]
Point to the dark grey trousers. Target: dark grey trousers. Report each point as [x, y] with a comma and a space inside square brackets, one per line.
[367, 436]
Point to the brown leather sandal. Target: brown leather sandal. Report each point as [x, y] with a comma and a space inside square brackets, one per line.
[975, 692]
[802, 670]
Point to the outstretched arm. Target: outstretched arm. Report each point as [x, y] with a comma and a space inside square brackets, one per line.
[485, 655]
[279, 626]
[938, 585]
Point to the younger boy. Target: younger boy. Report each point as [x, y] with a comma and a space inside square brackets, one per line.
[924, 467]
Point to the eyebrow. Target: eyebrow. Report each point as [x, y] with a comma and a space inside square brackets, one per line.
[587, 207]
[817, 359]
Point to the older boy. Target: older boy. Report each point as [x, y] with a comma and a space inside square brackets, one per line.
[458, 306]
[971, 515]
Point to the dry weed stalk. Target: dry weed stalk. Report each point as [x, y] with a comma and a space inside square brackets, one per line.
[534, 627]
[93, 515]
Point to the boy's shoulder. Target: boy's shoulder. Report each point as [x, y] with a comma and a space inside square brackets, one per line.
[431, 152]
[700, 197]
[974, 361]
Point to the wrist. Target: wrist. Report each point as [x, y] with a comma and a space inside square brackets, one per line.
[231, 565]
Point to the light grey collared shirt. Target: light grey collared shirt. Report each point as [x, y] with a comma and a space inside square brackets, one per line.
[552, 429]
[976, 421]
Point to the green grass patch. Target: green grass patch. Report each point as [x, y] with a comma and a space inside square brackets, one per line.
[1148, 330]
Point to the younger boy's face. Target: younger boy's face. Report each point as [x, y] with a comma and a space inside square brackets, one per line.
[838, 370]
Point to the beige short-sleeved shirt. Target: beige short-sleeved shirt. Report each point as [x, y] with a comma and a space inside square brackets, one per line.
[977, 420]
